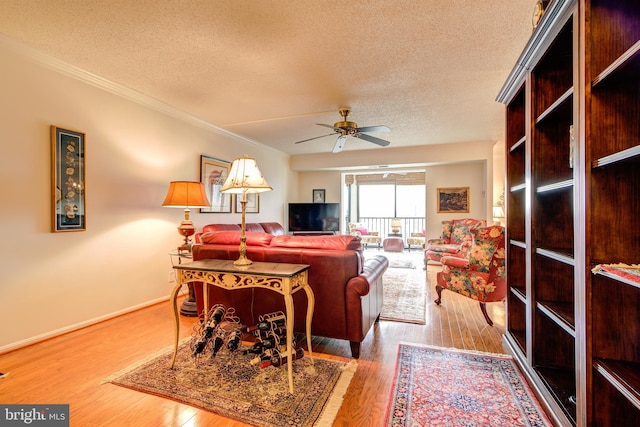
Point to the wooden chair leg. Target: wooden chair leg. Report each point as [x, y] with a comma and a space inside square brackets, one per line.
[439, 291]
[483, 308]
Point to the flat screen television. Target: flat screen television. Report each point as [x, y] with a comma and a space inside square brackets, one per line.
[314, 217]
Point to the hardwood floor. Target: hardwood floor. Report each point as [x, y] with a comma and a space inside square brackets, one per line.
[69, 369]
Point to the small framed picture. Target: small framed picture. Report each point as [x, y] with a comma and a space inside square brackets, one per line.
[453, 200]
[67, 180]
[253, 203]
[213, 173]
[318, 196]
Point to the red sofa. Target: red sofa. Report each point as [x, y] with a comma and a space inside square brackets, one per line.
[348, 290]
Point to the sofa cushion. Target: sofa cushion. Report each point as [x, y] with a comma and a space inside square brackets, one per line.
[220, 227]
[273, 228]
[362, 231]
[338, 243]
[254, 238]
[254, 227]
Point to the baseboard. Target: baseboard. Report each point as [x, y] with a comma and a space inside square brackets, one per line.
[55, 333]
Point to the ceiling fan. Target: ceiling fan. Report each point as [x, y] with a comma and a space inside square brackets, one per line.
[346, 128]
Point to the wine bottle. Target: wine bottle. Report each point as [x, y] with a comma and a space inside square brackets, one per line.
[217, 343]
[210, 327]
[267, 355]
[234, 341]
[281, 358]
[256, 348]
[269, 343]
[265, 325]
[217, 315]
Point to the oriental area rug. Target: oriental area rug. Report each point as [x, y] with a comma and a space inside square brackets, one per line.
[404, 290]
[451, 387]
[230, 386]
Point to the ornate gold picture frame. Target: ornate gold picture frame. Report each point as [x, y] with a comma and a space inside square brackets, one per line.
[453, 200]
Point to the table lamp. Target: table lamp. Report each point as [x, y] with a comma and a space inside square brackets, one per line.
[498, 214]
[396, 224]
[186, 194]
[244, 177]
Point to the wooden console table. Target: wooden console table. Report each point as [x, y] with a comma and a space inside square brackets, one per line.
[286, 279]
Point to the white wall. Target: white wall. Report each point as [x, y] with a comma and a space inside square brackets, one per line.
[472, 175]
[53, 282]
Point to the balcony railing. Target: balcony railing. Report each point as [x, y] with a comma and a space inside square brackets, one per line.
[383, 225]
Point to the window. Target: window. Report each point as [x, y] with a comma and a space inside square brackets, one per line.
[391, 201]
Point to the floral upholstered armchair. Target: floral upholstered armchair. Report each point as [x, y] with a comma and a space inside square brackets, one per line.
[366, 236]
[455, 241]
[482, 276]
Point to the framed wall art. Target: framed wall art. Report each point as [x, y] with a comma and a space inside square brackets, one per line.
[68, 180]
[453, 200]
[318, 196]
[253, 203]
[213, 173]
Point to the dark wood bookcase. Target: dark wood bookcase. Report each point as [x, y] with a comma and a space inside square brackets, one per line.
[573, 205]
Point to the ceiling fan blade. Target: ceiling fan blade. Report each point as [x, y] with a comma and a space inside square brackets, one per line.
[339, 144]
[381, 128]
[330, 127]
[311, 139]
[373, 139]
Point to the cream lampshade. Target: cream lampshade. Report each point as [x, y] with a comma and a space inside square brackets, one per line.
[498, 214]
[244, 177]
[186, 194]
[396, 224]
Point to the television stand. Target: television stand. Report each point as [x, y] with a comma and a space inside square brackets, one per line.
[313, 233]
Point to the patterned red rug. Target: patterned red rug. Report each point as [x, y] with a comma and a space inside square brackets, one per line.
[436, 386]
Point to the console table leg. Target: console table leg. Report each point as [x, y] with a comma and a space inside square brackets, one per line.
[288, 302]
[176, 319]
[310, 307]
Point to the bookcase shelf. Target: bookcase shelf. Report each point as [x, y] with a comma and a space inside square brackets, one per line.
[573, 174]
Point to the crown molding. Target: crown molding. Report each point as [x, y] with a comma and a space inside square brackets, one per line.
[95, 80]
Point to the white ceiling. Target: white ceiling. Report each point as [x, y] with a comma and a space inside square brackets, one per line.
[270, 70]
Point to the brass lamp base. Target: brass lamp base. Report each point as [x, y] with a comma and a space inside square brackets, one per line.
[242, 261]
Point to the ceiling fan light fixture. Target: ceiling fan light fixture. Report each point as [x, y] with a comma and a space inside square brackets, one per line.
[346, 128]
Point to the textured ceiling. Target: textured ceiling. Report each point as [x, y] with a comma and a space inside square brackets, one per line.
[270, 70]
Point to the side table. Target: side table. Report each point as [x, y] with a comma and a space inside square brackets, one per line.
[188, 307]
[286, 279]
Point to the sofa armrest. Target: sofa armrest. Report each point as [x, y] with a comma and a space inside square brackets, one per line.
[364, 298]
[372, 270]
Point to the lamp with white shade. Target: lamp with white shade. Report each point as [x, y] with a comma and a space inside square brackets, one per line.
[244, 177]
[498, 214]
